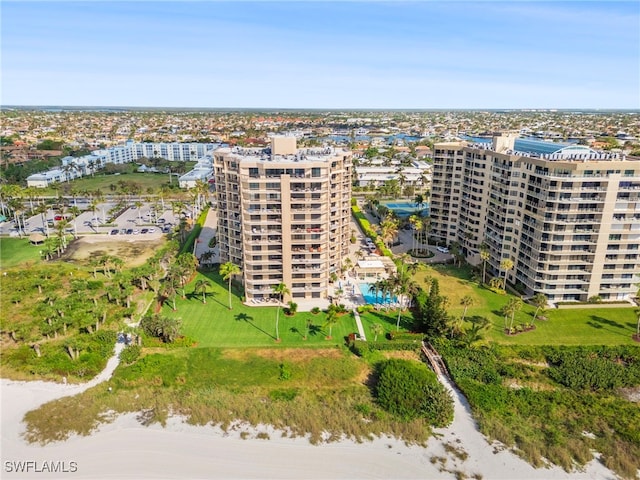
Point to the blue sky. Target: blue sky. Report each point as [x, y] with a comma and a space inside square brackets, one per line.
[350, 54]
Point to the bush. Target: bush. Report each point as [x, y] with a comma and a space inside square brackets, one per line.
[291, 309]
[587, 369]
[284, 394]
[409, 390]
[130, 354]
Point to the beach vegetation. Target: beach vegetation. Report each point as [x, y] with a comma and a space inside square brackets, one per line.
[554, 404]
[410, 390]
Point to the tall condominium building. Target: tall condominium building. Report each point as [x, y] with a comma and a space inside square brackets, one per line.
[284, 216]
[567, 216]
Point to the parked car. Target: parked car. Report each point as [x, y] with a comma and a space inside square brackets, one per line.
[442, 249]
[144, 230]
[115, 231]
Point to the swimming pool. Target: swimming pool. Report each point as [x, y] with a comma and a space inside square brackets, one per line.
[370, 295]
[406, 209]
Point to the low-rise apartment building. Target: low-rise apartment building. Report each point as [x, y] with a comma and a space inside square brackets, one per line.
[567, 216]
[284, 216]
[75, 167]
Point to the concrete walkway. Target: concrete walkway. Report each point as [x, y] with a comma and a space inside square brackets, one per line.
[356, 315]
[206, 234]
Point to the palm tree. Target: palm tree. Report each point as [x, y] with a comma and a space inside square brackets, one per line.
[388, 229]
[418, 225]
[413, 219]
[426, 229]
[455, 323]
[484, 256]
[539, 300]
[138, 205]
[169, 290]
[228, 270]
[456, 251]
[510, 309]
[42, 209]
[506, 265]
[67, 169]
[466, 302]
[332, 319]
[201, 287]
[281, 290]
[377, 329]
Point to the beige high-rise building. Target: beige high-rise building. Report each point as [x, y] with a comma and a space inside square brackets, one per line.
[284, 216]
[567, 216]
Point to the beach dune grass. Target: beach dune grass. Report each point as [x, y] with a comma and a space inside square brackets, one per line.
[324, 397]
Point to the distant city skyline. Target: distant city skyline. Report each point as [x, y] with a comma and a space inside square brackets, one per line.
[322, 55]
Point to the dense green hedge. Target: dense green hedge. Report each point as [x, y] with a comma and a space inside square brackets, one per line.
[195, 233]
[368, 230]
[410, 390]
[365, 225]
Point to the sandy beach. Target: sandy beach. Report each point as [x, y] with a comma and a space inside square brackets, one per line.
[126, 449]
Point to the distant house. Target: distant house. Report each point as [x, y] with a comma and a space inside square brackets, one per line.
[202, 171]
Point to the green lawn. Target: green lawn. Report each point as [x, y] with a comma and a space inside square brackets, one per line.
[592, 326]
[105, 183]
[14, 251]
[213, 324]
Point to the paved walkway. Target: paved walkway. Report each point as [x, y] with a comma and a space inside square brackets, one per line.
[356, 315]
[206, 234]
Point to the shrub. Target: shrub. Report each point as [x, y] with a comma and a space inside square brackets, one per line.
[291, 309]
[284, 394]
[130, 354]
[409, 390]
[585, 369]
[285, 372]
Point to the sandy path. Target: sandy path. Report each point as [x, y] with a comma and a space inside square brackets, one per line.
[125, 449]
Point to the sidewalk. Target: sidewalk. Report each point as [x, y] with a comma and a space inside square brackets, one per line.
[208, 232]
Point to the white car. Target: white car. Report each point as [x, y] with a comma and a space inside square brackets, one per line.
[442, 249]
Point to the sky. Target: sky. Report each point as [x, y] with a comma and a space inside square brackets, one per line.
[318, 54]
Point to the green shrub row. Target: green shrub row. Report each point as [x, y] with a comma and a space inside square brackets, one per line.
[363, 348]
[406, 337]
[365, 225]
[195, 233]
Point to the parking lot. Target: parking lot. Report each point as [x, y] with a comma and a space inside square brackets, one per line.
[131, 221]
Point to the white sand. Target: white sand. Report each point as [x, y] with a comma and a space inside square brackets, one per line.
[125, 449]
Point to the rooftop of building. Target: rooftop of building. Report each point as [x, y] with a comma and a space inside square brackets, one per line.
[317, 154]
[535, 148]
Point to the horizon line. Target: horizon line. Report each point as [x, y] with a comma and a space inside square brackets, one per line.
[336, 109]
